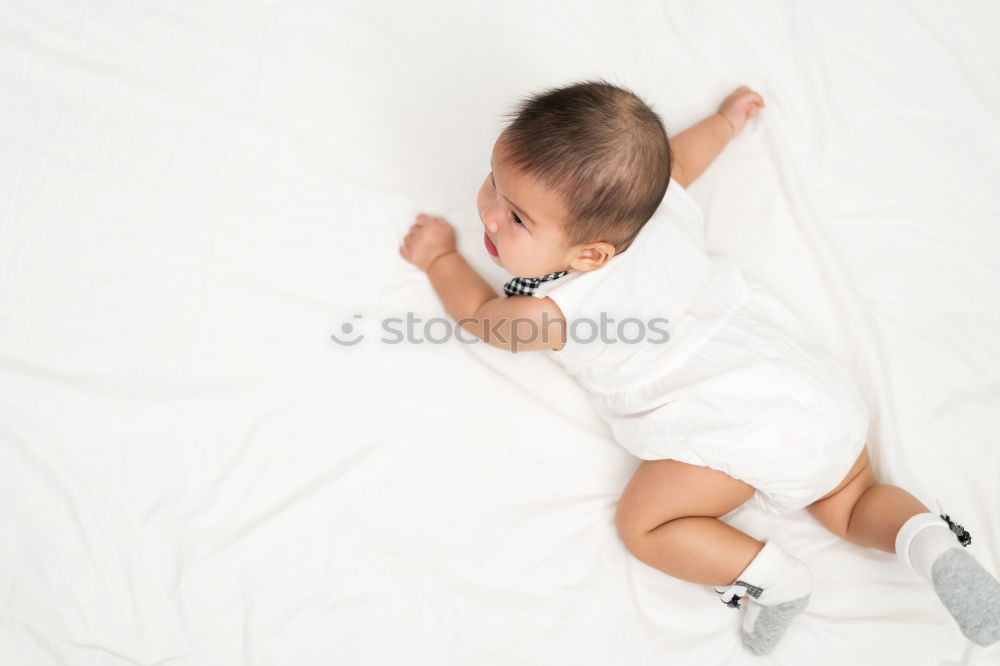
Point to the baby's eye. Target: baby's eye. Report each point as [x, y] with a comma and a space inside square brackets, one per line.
[513, 214]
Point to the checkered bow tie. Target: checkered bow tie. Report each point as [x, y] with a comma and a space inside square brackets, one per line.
[520, 286]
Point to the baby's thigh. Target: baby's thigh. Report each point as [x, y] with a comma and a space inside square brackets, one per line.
[662, 490]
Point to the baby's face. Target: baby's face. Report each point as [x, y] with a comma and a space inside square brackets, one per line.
[523, 222]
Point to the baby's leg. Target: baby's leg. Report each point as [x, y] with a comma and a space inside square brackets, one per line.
[668, 518]
[878, 515]
[864, 511]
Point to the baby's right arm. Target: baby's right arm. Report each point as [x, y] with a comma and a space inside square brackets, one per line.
[696, 147]
[519, 323]
[516, 323]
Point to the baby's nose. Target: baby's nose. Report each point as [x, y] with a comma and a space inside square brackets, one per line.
[488, 220]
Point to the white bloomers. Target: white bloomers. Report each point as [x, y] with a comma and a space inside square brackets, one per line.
[756, 401]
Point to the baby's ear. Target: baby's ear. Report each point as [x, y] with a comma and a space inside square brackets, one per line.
[593, 255]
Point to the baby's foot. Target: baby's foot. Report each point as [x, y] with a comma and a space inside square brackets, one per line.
[970, 594]
[763, 626]
[782, 595]
[926, 543]
[740, 106]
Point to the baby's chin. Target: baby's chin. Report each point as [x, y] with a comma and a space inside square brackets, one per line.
[514, 271]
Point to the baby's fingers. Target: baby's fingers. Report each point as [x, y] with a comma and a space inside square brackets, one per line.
[424, 218]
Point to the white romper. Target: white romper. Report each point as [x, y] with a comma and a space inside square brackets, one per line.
[730, 381]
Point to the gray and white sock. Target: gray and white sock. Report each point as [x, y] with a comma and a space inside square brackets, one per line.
[971, 594]
[774, 589]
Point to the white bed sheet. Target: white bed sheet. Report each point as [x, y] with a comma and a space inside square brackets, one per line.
[197, 195]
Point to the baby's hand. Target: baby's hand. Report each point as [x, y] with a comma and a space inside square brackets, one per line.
[740, 107]
[429, 238]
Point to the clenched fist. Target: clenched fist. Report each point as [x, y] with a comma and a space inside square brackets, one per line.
[428, 239]
[740, 106]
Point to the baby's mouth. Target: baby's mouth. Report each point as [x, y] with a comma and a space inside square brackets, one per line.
[490, 247]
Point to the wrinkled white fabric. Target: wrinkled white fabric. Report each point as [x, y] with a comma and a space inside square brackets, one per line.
[197, 195]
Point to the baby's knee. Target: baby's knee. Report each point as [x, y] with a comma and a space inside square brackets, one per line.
[625, 523]
[634, 522]
[663, 490]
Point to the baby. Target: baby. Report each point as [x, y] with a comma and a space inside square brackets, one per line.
[706, 376]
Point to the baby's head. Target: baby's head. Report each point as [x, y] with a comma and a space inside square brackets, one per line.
[575, 176]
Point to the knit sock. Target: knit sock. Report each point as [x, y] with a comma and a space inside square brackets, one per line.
[778, 588]
[927, 545]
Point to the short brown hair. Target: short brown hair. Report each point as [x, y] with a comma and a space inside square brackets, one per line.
[602, 149]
